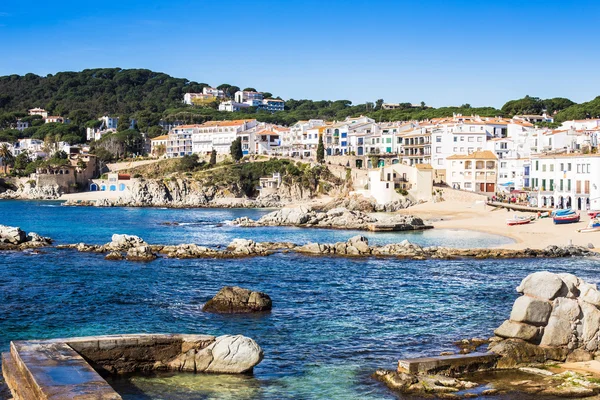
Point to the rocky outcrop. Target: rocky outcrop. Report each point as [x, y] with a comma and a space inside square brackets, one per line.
[30, 191]
[234, 300]
[420, 385]
[140, 253]
[556, 318]
[228, 354]
[14, 238]
[336, 218]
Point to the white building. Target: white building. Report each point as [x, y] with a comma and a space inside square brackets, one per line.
[107, 125]
[387, 183]
[21, 125]
[159, 144]
[232, 106]
[292, 141]
[243, 96]
[567, 180]
[34, 147]
[476, 172]
[38, 111]
[217, 135]
[55, 119]
[210, 91]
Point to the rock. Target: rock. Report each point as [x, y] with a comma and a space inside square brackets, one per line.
[530, 310]
[517, 352]
[543, 285]
[396, 380]
[140, 253]
[360, 243]
[558, 332]
[114, 256]
[516, 330]
[591, 246]
[229, 355]
[591, 324]
[125, 242]
[12, 235]
[579, 355]
[590, 294]
[238, 300]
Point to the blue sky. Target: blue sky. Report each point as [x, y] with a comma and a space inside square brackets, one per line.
[441, 52]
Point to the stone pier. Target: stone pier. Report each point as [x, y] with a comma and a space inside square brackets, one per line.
[74, 368]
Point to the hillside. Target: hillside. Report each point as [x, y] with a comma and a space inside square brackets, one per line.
[149, 97]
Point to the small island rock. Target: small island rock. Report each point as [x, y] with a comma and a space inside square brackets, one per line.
[234, 299]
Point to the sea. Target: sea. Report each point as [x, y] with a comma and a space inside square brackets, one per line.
[334, 320]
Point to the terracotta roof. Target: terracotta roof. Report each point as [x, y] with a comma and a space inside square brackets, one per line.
[476, 155]
[423, 166]
[163, 137]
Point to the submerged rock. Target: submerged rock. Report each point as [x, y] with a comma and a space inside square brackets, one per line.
[229, 354]
[14, 238]
[234, 299]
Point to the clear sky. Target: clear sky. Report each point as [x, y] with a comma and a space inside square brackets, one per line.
[442, 52]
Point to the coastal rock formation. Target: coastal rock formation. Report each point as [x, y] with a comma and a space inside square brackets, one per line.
[423, 384]
[336, 218]
[234, 299]
[556, 318]
[14, 238]
[125, 242]
[227, 354]
[367, 205]
[30, 191]
[140, 253]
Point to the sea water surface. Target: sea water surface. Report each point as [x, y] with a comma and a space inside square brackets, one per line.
[334, 320]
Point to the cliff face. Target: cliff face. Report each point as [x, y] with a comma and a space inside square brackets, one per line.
[191, 193]
[30, 191]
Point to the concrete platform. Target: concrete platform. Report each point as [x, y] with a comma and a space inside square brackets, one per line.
[448, 365]
[71, 368]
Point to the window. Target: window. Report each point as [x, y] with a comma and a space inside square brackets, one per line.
[455, 149]
[551, 167]
[438, 139]
[470, 150]
[578, 168]
[471, 139]
[569, 185]
[543, 167]
[462, 149]
[480, 139]
[440, 161]
[502, 165]
[562, 166]
[438, 149]
[568, 166]
[456, 138]
[462, 138]
[537, 165]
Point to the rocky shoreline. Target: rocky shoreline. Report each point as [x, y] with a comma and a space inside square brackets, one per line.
[14, 238]
[336, 218]
[133, 248]
[556, 320]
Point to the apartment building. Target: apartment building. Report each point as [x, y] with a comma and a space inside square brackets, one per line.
[38, 111]
[107, 125]
[566, 180]
[292, 141]
[242, 96]
[475, 172]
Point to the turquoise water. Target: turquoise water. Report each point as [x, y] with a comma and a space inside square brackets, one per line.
[333, 323]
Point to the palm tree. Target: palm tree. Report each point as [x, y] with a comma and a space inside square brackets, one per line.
[6, 156]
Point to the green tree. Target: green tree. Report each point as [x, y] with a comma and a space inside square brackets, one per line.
[249, 89]
[6, 156]
[236, 149]
[21, 161]
[124, 123]
[321, 150]
[213, 157]
[378, 104]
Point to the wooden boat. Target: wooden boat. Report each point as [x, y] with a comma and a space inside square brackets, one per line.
[594, 214]
[546, 214]
[593, 226]
[566, 219]
[568, 211]
[518, 221]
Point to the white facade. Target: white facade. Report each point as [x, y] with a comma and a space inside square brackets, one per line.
[475, 172]
[213, 92]
[38, 111]
[108, 125]
[232, 106]
[386, 183]
[242, 96]
[567, 180]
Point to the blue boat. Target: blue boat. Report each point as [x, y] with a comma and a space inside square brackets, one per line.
[567, 211]
[566, 219]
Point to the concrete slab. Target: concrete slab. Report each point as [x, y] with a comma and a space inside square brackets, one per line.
[448, 365]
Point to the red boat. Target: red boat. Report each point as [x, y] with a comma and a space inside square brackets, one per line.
[566, 219]
[518, 221]
[594, 214]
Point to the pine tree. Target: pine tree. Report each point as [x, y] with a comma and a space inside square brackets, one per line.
[321, 150]
[213, 157]
[236, 149]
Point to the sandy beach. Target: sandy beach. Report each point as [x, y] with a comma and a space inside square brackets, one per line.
[480, 217]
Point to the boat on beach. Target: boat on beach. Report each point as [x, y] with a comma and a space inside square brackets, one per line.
[518, 221]
[566, 219]
[565, 212]
[594, 214]
[593, 226]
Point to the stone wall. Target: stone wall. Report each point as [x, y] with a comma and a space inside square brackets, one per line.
[449, 194]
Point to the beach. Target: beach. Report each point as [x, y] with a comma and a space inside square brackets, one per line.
[478, 216]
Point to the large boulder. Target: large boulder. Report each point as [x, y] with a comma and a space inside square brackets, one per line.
[229, 354]
[544, 285]
[531, 311]
[12, 235]
[557, 318]
[125, 242]
[234, 299]
[517, 330]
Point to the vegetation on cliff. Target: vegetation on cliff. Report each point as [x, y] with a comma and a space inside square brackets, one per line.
[244, 176]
